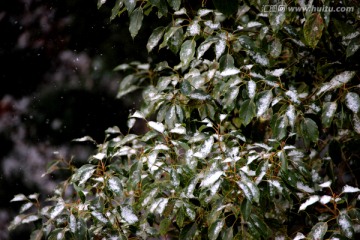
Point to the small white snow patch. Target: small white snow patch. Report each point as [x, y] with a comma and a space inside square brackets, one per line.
[276, 72]
[325, 184]
[304, 187]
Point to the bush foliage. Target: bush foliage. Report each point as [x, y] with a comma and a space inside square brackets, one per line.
[252, 133]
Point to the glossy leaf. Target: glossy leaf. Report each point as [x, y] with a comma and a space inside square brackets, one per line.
[313, 28]
[318, 231]
[155, 38]
[187, 52]
[328, 113]
[130, 5]
[247, 111]
[136, 19]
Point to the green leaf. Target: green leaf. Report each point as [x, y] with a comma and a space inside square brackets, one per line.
[164, 226]
[176, 40]
[187, 52]
[245, 208]
[136, 18]
[263, 229]
[37, 235]
[227, 7]
[277, 18]
[309, 130]
[175, 4]
[313, 28]
[215, 229]
[328, 113]
[346, 225]
[352, 101]
[353, 47]
[154, 38]
[114, 184]
[180, 217]
[247, 111]
[116, 9]
[130, 5]
[227, 67]
[188, 232]
[161, 5]
[279, 130]
[318, 231]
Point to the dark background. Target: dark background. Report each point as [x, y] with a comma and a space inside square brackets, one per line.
[57, 84]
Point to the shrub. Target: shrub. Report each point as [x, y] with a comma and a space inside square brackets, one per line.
[252, 134]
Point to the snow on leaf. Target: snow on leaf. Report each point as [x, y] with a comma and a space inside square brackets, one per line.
[57, 210]
[352, 101]
[325, 184]
[215, 229]
[325, 199]
[99, 216]
[114, 184]
[253, 24]
[251, 88]
[128, 215]
[220, 48]
[260, 58]
[337, 81]
[99, 156]
[179, 129]
[229, 71]
[194, 28]
[318, 231]
[356, 123]
[346, 225]
[290, 113]
[203, 12]
[276, 72]
[292, 94]
[310, 201]
[350, 189]
[299, 236]
[264, 103]
[138, 114]
[30, 218]
[182, 11]
[203, 48]
[19, 197]
[157, 126]
[159, 205]
[211, 178]
[205, 148]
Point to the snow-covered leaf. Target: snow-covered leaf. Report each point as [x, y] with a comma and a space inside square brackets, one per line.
[263, 103]
[187, 52]
[346, 225]
[19, 197]
[99, 216]
[350, 189]
[325, 199]
[313, 199]
[114, 185]
[325, 184]
[128, 215]
[211, 178]
[215, 229]
[154, 38]
[352, 101]
[157, 126]
[318, 231]
[137, 114]
[336, 82]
